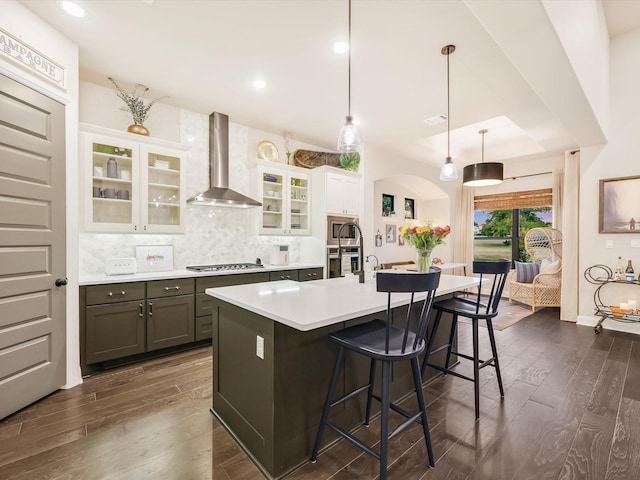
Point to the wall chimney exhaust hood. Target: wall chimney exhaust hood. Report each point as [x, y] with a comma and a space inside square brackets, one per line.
[220, 195]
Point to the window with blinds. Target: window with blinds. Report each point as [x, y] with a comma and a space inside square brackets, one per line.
[502, 220]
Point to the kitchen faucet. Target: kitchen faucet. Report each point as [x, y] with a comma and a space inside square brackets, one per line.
[360, 252]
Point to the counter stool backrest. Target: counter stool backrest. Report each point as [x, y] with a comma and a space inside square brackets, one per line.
[499, 271]
[409, 283]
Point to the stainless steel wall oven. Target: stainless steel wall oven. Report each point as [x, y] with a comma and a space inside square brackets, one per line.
[341, 264]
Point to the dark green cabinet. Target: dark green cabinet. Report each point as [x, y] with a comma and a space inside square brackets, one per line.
[121, 320]
[204, 303]
[170, 313]
[307, 274]
[284, 275]
[114, 321]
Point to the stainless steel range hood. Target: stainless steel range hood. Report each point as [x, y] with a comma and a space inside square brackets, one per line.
[220, 195]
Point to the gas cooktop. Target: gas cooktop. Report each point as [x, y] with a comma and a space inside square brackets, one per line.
[224, 267]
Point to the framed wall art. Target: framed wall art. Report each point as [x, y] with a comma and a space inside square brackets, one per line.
[409, 208]
[620, 205]
[391, 233]
[388, 206]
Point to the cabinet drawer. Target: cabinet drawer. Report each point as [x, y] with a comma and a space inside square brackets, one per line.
[114, 293]
[204, 327]
[204, 305]
[284, 275]
[310, 274]
[225, 280]
[170, 288]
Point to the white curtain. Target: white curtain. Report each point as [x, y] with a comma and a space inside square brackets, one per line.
[463, 245]
[558, 193]
[570, 236]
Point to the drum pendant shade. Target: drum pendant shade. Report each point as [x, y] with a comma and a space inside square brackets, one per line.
[482, 174]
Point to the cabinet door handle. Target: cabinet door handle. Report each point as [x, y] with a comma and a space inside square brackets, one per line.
[141, 314]
[177, 287]
[151, 309]
[111, 294]
[135, 227]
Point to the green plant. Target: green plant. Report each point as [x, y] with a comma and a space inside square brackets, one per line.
[134, 101]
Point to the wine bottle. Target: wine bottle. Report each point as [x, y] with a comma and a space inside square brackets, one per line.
[617, 273]
[628, 273]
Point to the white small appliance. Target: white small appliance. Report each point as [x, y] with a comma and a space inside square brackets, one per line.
[120, 266]
[279, 255]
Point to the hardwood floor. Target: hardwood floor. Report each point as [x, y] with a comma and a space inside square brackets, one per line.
[571, 411]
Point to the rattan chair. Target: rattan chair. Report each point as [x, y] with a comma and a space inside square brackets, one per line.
[542, 244]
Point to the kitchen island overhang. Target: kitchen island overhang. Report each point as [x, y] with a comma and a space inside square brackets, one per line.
[272, 360]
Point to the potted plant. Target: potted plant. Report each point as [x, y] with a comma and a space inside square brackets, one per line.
[136, 106]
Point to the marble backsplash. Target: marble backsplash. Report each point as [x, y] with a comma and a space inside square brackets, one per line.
[212, 234]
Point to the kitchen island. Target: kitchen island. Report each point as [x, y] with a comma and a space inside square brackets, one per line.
[272, 360]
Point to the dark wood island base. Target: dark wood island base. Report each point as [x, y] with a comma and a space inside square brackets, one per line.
[272, 406]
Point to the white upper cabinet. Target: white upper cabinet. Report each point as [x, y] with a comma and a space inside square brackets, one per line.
[285, 194]
[337, 192]
[342, 194]
[131, 183]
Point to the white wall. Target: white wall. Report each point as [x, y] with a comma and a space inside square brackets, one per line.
[618, 158]
[382, 166]
[30, 29]
[427, 210]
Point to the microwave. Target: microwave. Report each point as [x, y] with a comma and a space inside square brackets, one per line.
[348, 236]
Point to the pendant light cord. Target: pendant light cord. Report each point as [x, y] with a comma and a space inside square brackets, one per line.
[349, 82]
[448, 108]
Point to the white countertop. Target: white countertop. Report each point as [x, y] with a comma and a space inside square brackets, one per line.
[309, 305]
[101, 278]
[441, 266]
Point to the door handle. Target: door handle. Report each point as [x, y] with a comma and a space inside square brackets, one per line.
[151, 309]
[61, 282]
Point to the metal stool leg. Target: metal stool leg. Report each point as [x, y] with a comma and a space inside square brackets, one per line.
[494, 351]
[417, 380]
[372, 377]
[327, 403]
[432, 338]
[454, 327]
[384, 419]
[476, 367]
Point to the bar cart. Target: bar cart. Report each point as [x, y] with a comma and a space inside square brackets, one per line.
[602, 276]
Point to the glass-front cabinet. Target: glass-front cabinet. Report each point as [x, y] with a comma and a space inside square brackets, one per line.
[132, 184]
[285, 197]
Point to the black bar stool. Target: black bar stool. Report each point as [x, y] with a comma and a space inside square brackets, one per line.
[381, 340]
[475, 310]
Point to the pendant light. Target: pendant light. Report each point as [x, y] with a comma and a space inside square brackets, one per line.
[349, 137]
[449, 172]
[482, 174]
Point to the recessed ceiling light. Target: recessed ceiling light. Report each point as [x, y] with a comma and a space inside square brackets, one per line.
[72, 9]
[340, 47]
[259, 84]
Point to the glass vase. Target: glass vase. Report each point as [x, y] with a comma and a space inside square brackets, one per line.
[423, 260]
